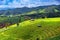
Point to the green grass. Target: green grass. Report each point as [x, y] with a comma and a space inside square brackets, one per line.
[55, 38]
[29, 30]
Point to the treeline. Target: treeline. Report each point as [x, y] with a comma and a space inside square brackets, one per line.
[17, 19]
[43, 15]
[9, 21]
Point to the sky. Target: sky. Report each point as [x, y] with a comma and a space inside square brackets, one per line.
[26, 3]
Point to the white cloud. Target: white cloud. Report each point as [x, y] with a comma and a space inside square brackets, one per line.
[27, 3]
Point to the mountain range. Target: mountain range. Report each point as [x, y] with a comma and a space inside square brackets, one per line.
[41, 9]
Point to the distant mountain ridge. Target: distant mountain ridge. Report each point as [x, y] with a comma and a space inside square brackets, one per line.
[15, 11]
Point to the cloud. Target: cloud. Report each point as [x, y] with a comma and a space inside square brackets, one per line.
[26, 3]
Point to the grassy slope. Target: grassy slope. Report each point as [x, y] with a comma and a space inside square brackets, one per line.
[30, 30]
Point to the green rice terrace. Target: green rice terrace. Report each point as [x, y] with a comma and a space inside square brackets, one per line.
[29, 19]
[34, 29]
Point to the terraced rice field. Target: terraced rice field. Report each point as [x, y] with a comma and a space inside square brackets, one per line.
[29, 30]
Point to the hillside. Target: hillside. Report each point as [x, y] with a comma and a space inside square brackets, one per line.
[24, 10]
[49, 9]
[44, 29]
